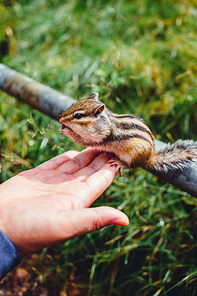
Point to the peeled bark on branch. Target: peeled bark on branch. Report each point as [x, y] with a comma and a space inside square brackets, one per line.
[53, 103]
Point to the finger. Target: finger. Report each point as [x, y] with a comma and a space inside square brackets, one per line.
[57, 161]
[99, 182]
[79, 161]
[87, 220]
[69, 224]
[64, 225]
[93, 167]
[54, 227]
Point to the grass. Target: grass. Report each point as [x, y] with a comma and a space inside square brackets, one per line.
[141, 57]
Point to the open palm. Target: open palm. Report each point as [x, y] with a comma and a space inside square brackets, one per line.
[50, 203]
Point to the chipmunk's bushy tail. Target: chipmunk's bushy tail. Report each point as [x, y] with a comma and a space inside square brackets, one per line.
[178, 156]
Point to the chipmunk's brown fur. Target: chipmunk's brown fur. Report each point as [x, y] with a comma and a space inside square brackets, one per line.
[90, 123]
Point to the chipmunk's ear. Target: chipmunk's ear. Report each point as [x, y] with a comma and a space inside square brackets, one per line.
[94, 96]
[99, 110]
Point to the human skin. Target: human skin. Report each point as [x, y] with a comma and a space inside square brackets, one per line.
[50, 204]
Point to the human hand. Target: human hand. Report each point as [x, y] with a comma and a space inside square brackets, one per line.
[50, 203]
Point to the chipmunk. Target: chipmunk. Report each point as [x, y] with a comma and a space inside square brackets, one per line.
[90, 123]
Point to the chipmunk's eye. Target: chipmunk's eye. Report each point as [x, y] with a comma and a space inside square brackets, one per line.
[78, 115]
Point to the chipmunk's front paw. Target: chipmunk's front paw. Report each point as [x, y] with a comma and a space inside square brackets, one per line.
[117, 163]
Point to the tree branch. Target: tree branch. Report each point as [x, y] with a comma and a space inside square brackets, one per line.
[53, 103]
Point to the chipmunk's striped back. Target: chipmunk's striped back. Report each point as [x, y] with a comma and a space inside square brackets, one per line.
[131, 126]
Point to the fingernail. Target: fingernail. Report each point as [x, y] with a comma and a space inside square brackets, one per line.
[119, 221]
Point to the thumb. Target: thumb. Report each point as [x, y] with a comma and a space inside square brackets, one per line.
[67, 224]
[81, 221]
